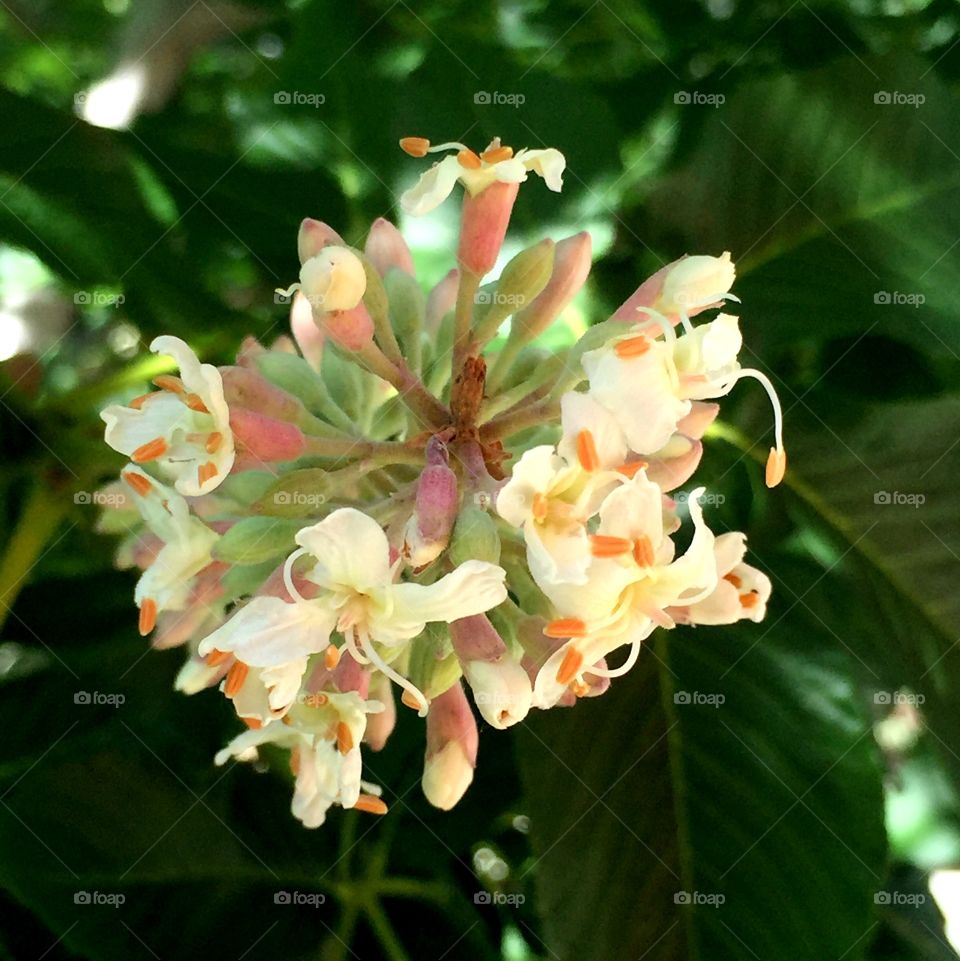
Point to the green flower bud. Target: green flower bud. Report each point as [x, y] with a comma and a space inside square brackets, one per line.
[257, 539]
[474, 537]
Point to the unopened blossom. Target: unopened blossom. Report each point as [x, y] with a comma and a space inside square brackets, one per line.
[496, 164]
[359, 598]
[451, 753]
[323, 736]
[184, 427]
[186, 547]
[333, 279]
[632, 580]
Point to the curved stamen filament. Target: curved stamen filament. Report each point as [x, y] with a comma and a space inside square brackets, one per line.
[288, 574]
[617, 671]
[399, 679]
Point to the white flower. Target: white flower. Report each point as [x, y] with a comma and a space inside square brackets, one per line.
[476, 172]
[501, 690]
[333, 279]
[184, 427]
[324, 739]
[741, 593]
[648, 382]
[695, 283]
[552, 495]
[187, 544]
[357, 598]
[631, 580]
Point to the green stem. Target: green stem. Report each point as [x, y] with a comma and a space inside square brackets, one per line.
[393, 949]
[39, 519]
[410, 389]
[503, 362]
[374, 453]
[463, 319]
[514, 421]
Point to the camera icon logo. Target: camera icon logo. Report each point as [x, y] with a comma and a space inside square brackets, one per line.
[681, 897]
[81, 697]
[481, 96]
[482, 897]
[282, 96]
[881, 497]
[882, 297]
[681, 697]
[82, 497]
[681, 97]
[881, 897]
[281, 897]
[882, 97]
[81, 897]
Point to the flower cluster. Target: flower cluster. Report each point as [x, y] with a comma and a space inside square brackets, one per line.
[411, 495]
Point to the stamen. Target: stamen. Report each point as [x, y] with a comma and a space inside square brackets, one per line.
[235, 678]
[602, 545]
[580, 688]
[195, 402]
[254, 723]
[137, 482]
[733, 579]
[566, 627]
[496, 155]
[469, 160]
[138, 402]
[344, 738]
[170, 383]
[213, 442]
[541, 507]
[776, 466]
[569, 666]
[632, 347]
[617, 671]
[415, 146]
[633, 468]
[423, 705]
[288, 574]
[643, 552]
[587, 451]
[148, 616]
[206, 471]
[215, 657]
[370, 804]
[749, 600]
[410, 701]
[150, 451]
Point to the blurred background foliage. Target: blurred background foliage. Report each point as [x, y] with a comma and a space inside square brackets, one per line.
[819, 801]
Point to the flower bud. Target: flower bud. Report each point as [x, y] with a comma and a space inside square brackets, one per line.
[675, 465]
[314, 235]
[306, 333]
[451, 755]
[441, 300]
[475, 639]
[695, 283]
[484, 225]
[265, 438]
[380, 725]
[407, 308]
[248, 388]
[386, 248]
[435, 511]
[333, 280]
[571, 266]
[474, 537]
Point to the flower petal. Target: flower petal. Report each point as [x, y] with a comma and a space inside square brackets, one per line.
[351, 550]
[432, 188]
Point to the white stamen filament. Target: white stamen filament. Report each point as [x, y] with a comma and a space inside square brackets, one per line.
[771, 393]
[288, 575]
[385, 668]
[617, 671]
[452, 145]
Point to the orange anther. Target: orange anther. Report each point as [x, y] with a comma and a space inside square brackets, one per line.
[213, 442]
[469, 160]
[496, 155]
[235, 678]
[344, 738]
[569, 666]
[206, 471]
[148, 616]
[254, 723]
[580, 688]
[643, 552]
[370, 804]
[331, 657]
[137, 482]
[195, 402]
[411, 702]
[776, 466]
[216, 658]
[602, 545]
[632, 469]
[733, 579]
[541, 507]
[587, 451]
[169, 382]
[150, 451]
[566, 627]
[138, 402]
[749, 600]
[415, 146]
[632, 347]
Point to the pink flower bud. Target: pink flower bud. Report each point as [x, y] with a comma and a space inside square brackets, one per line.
[350, 329]
[644, 296]
[385, 248]
[243, 387]
[671, 471]
[441, 300]
[571, 266]
[350, 675]
[484, 225]
[435, 511]
[250, 350]
[306, 333]
[380, 726]
[265, 438]
[452, 742]
[701, 416]
[475, 639]
[314, 235]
